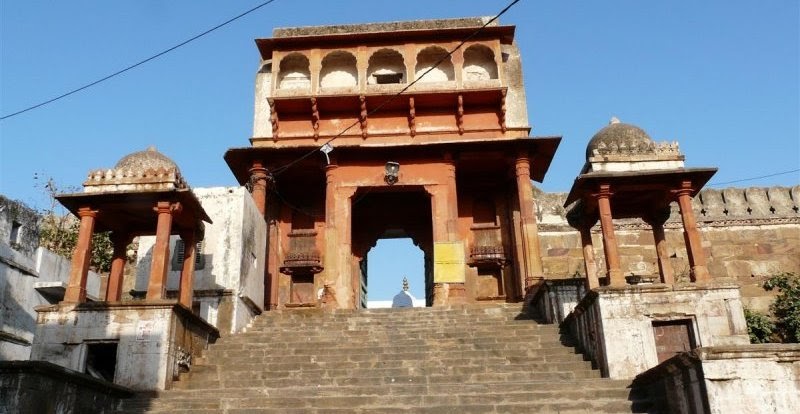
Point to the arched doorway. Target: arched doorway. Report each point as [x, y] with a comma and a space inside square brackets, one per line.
[391, 261]
[391, 213]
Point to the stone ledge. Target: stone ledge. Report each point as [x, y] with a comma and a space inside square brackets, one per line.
[58, 372]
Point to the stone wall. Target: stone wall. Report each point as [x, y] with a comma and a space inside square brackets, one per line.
[154, 340]
[616, 326]
[748, 234]
[29, 276]
[229, 285]
[751, 379]
[42, 387]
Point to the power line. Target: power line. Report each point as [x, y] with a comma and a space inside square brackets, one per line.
[388, 100]
[755, 178]
[141, 62]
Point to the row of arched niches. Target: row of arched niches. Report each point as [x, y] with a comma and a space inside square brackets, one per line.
[477, 63]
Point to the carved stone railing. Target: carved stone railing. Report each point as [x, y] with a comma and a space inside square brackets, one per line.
[303, 256]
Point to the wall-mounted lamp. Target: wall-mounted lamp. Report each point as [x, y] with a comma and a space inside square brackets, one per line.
[392, 170]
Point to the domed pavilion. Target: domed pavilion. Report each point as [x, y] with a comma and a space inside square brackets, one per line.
[640, 178]
[143, 194]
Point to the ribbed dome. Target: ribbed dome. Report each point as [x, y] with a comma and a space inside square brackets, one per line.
[619, 135]
[145, 160]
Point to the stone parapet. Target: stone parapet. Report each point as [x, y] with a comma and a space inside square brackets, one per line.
[43, 387]
[750, 379]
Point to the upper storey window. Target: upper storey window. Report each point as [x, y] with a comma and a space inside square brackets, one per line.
[479, 64]
[386, 66]
[427, 58]
[338, 70]
[294, 72]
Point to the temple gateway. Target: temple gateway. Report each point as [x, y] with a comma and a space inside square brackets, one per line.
[419, 130]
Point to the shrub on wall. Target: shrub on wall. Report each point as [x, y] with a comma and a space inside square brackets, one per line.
[759, 326]
[786, 308]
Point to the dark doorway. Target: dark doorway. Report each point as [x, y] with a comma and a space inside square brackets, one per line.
[673, 337]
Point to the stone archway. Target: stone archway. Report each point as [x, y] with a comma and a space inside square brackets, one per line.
[391, 212]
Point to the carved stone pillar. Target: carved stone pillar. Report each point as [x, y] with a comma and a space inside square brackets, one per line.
[118, 260]
[532, 267]
[452, 199]
[186, 287]
[589, 263]
[81, 257]
[665, 270]
[609, 238]
[694, 247]
[157, 286]
[332, 242]
[258, 182]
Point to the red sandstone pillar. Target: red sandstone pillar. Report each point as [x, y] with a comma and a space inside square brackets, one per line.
[118, 259]
[609, 238]
[589, 263]
[157, 287]
[186, 288]
[694, 247]
[258, 181]
[81, 257]
[532, 257]
[664, 266]
[452, 200]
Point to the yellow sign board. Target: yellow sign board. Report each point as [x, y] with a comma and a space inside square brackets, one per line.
[448, 262]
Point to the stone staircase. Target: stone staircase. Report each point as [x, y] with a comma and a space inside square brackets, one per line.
[472, 359]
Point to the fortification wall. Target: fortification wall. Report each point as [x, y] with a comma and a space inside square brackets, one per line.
[748, 234]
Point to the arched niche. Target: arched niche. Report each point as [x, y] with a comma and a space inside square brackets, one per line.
[386, 66]
[427, 58]
[294, 72]
[479, 64]
[339, 70]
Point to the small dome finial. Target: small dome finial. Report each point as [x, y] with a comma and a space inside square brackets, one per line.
[152, 148]
[405, 284]
[614, 120]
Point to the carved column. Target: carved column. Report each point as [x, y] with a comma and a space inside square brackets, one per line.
[81, 257]
[657, 221]
[452, 199]
[694, 247]
[258, 182]
[157, 287]
[186, 287]
[610, 248]
[589, 263]
[331, 254]
[533, 269]
[118, 260]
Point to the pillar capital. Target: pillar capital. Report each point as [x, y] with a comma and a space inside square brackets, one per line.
[167, 207]
[87, 212]
[603, 191]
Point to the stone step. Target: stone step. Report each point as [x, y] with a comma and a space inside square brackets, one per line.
[314, 370]
[470, 359]
[330, 360]
[266, 380]
[448, 405]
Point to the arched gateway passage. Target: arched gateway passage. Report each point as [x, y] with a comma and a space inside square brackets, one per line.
[391, 212]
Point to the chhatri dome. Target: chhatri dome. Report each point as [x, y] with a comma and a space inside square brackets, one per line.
[620, 136]
[145, 160]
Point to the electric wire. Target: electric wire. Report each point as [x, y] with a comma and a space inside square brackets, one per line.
[137, 64]
[754, 178]
[281, 169]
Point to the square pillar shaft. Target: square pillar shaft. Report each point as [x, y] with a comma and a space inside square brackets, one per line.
[186, 289]
[81, 257]
[118, 260]
[609, 238]
[157, 287]
[694, 247]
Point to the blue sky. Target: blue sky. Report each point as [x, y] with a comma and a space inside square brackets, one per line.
[720, 77]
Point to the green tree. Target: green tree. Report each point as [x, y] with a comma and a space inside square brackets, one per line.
[786, 308]
[759, 326]
[58, 232]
